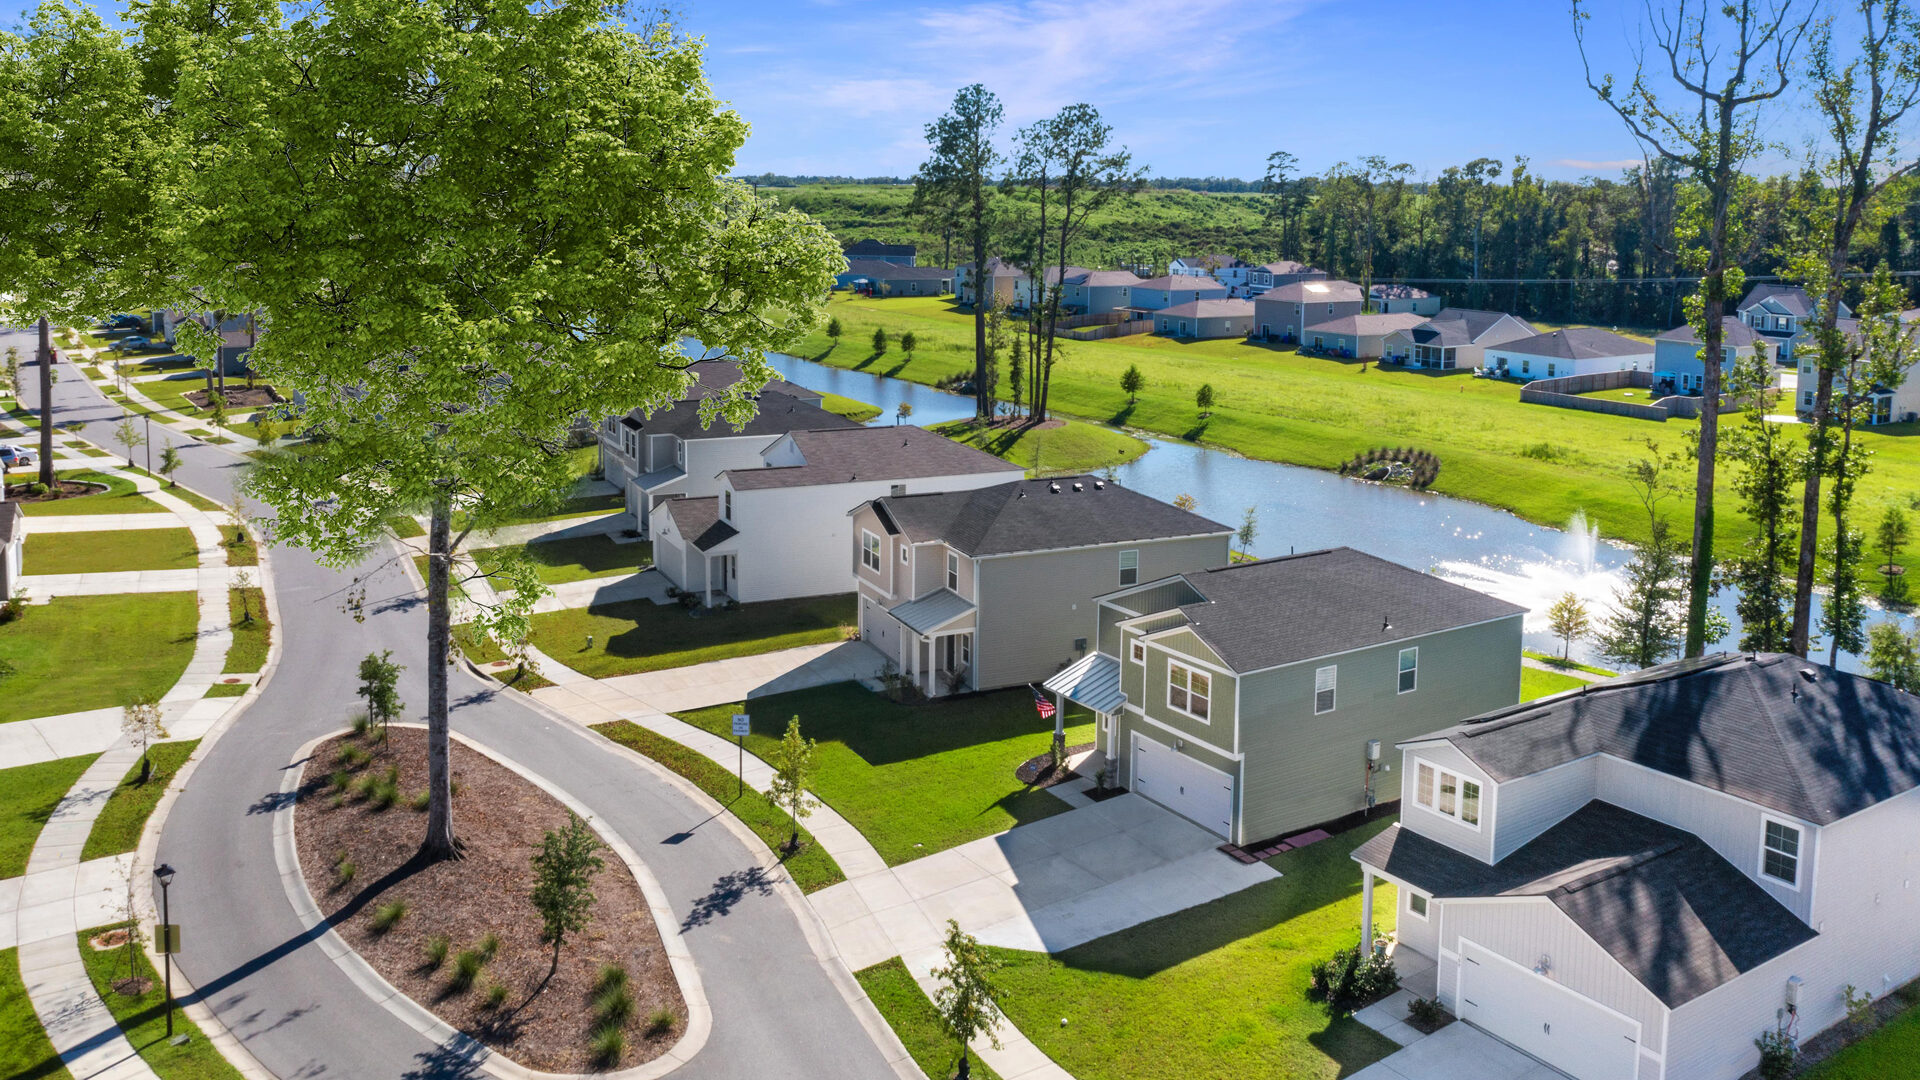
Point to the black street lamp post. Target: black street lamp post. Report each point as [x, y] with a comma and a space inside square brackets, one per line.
[164, 873]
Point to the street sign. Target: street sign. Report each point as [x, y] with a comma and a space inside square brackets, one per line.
[166, 938]
[741, 724]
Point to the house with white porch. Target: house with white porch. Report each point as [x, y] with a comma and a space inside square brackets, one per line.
[1228, 270]
[1455, 339]
[1781, 313]
[13, 540]
[1637, 879]
[1884, 404]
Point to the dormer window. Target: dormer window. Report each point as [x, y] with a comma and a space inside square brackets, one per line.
[1780, 853]
[1447, 794]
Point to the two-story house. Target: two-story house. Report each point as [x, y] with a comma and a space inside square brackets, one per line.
[1000, 277]
[1392, 299]
[1284, 312]
[1634, 880]
[1884, 404]
[1098, 292]
[1456, 338]
[1677, 368]
[1228, 270]
[781, 527]
[675, 453]
[1245, 697]
[1781, 313]
[1281, 272]
[1158, 294]
[973, 590]
[869, 248]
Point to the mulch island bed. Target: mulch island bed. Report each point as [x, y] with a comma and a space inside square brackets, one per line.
[238, 397]
[61, 489]
[360, 858]
[1038, 771]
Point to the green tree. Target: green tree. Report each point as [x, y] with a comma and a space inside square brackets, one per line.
[1772, 463]
[1893, 655]
[217, 411]
[1709, 130]
[1132, 382]
[497, 264]
[907, 342]
[141, 723]
[793, 765]
[265, 431]
[834, 330]
[879, 340]
[900, 413]
[13, 371]
[1249, 528]
[128, 434]
[1204, 399]
[1567, 619]
[957, 178]
[1891, 536]
[77, 190]
[170, 462]
[967, 1002]
[563, 871]
[1647, 624]
[380, 686]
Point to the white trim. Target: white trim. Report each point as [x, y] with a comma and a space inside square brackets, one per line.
[1141, 714]
[870, 545]
[1415, 669]
[1460, 973]
[1427, 901]
[1191, 661]
[1333, 689]
[1483, 800]
[1799, 851]
[1188, 691]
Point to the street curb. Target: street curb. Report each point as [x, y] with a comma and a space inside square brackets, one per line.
[413, 1014]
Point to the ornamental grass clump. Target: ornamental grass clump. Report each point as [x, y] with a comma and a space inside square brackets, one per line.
[466, 968]
[436, 949]
[388, 915]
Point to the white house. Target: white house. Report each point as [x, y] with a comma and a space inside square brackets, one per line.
[1781, 313]
[1228, 270]
[1884, 405]
[781, 527]
[1455, 338]
[1635, 880]
[1576, 350]
[13, 539]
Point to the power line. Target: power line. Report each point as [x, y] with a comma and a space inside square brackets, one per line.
[1617, 280]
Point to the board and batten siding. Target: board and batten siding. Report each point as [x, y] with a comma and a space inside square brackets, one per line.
[1217, 728]
[1525, 929]
[1303, 768]
[1438, 827]
[1034, 607]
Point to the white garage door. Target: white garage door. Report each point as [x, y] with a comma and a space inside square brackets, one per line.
[1572, 1033]
[1195, 791]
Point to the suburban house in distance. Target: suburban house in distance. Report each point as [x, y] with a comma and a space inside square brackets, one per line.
[1634, 880]
[1576, 350]
[1394, 299]
[1779, 313]
[1206, 319]
[1228, 270]
[1098, 292]
[1676, 354]
[1283, 312]
[1362, 336]
[1244, 697]
[972, 590]
[1885, 406]
[1283, 272]
[1001, 277]
[900, 254]
[1158, 294]
[1455, 338]
[878, 278]
[671, 455]
[780, 527]
[13, 541]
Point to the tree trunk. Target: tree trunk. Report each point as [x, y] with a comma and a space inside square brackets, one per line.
[1799, 638]
[982, 395]
[1700, 571]
[1841, 552]
[46, 402]
[439, 842]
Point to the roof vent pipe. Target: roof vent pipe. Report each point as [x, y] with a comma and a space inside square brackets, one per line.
[1077, 486]
[1055, 488]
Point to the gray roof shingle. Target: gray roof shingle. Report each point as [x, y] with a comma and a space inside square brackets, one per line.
[1459, 326]
[1183, 283]
[777, 415]
[1211, 309]
[1791, 299]
[846, 454]
[1328, 291]
[1369, 325]
[1733, 332]
[1677, 916]
[1796, 737]
[870, 248]
[699, 521]
[1028, 515]
[1578, 343]
[1296, 607]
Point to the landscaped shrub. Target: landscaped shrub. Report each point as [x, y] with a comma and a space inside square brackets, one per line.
[343, 870]
[466, 968]
[420, 801]
[613, 1007]
[387, 916]
[660, 1021]
[1426, 1013]
[489, 944]
[496, 995]
[1777, 1051]
[382, 794]
[351, 756]
[363, 787]
[340, 779]
[437, 946]
[609, 1045]
[1397, 464]
[612, 976]
[1349, 980]
[13, 607]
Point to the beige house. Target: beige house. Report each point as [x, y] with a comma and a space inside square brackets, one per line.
[1358, 336]
[1283, 312]
[1456, 338]
[1206, 319]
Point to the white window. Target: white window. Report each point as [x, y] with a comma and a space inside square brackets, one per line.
[870, 550]
[1780, 853]
[1526, 367]
[1416, 905]
[1409, 669]
[953, 571]
[1324, 681]
[726, 508]
[903, 554]
[1129, 568]
[1447, 794]
[966, 649]
[1188, 690]
[1139, 652]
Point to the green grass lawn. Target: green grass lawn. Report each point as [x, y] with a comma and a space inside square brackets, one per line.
[119, 498]
[144, 1018]
[405, 527]
[857, 411]
[584, 506]
[484, 650]
[574, 558]
[28, 795]
[1570, 665]
[92, 652]
[221, 689]
[241, 550]
[1535, 683]
[913, 779]
[25, 1053]
[1888, 1052]
[1074, 447]
[639, 635]
[1216, 991]
[117, 829]
[1272, 403]
[106, 552]
[890, 986]
[251, 638]
[811, 869]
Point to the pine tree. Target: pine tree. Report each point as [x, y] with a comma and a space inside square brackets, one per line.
[879, 340]
[1773, 463]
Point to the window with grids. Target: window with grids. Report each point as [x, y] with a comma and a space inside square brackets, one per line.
[1139, 652]
[1447, 794]
[953, 571]
[1325, 681]
[1780, 853]
[1129, 567]
[1188, 691]
[726, 508]
[1409, 669]
[870, 550]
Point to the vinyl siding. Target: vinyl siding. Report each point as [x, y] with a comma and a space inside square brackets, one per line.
[1109, 619]
[889, 577]
[1217, 729]
[1131, 721]
[1439, 827]
[1161, 595]
[1303, 768]
[1530, 805]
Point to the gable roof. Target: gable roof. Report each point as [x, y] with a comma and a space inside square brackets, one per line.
[1460, 326]
[1788, 299]
[1578, 343]
[1679, 917]
[1101, 278]
[699, 521]
[1296, 607]
[1733, 332]
[1328, 291]
[1288, 266]
[870, 247]
[1210, 309]
[714, 376]
[1040, 515]
[1796, 737]
[1211, 262]
[1182, 283]
[777, 414]
[1392, 291]
[1369, 325]
[853, 453]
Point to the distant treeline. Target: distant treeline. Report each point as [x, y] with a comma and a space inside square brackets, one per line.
[1181, 183]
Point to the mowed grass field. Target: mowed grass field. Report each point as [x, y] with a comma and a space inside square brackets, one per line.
[1272, 403]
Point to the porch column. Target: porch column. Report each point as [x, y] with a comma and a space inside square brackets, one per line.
[1366, 911]
[706, 562]
[1060, 726]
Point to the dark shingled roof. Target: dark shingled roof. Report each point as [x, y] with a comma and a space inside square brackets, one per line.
[1182, 283]
[777, 415]
[699, 521]
[886, 271]
[1288, 266]
[1278, 611]
[713, 376]
[870, 248]
[1681, 919]
[13, 523]
[1791, 735]
[1029, 515]
[1578, 343]
[1368, 325]
[1791, 299]
[863, 453]
[1325, 291]
[1097, 279]
[1459, 326]
[1733, 332]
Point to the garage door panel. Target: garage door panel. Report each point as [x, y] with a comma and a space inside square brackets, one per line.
[1191, 788]
[1567, 1030]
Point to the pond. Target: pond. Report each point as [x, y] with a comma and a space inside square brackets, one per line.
[1300, 509]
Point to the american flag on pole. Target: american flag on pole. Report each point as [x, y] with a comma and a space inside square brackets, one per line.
[1041, 703]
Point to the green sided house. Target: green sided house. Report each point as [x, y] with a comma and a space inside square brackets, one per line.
[1246, 698]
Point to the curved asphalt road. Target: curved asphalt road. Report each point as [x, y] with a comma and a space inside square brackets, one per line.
[775, 1011]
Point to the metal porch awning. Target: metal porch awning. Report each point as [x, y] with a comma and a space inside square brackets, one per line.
[1093, 681]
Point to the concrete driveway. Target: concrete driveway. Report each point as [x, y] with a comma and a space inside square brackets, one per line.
[1044, 887]
[1458, 1051]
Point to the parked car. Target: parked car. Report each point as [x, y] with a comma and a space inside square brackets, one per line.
[13, 457]
[138, 344]
[126, 322]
